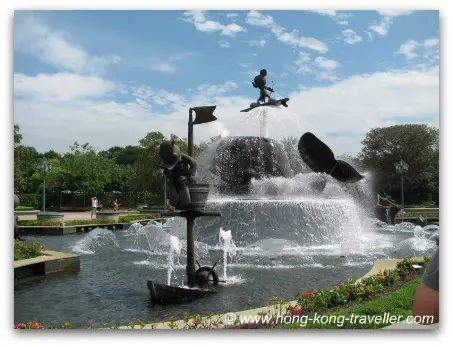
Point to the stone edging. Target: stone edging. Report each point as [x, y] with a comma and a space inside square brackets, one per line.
[50, 262]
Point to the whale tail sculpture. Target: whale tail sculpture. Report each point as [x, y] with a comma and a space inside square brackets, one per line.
[320, 158]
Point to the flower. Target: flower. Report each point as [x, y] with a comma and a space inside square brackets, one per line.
[346, 294]
[362, 288]
[315, 291]
[36, 325]
[295, 310]
[336, 288]
[380, 277]
[307, 295]
[29, 325]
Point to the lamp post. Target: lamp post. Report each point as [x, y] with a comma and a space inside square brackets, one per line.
[45, 168]
[402, 168]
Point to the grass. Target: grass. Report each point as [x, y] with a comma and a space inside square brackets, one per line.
[396, 303]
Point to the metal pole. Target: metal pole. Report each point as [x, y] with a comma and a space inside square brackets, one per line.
[44, 193]
[402, 195]
[165, 192]
[190, 135]
[190, 269]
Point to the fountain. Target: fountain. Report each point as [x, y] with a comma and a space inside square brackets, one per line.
[228, 247]
[289, 236]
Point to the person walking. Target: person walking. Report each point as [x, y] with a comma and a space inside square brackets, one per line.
[94, 205]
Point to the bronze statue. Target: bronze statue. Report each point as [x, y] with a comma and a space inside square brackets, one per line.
[180, 169]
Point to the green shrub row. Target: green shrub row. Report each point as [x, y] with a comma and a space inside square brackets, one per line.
[24, 208]
[122, 219]
[133, 217]
[24, 250]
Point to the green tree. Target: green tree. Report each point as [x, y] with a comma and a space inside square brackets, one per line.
[84, 170]
[25, 162]
[418, 146]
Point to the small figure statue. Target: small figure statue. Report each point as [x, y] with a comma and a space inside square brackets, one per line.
[180, 169]
[260, 83]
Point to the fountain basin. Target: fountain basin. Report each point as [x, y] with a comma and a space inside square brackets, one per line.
[51, 216]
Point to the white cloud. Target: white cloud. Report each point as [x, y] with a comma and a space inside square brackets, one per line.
[388, 17]
[331, 13]
[170, 64]
[321, 67]
[326, 64]
[428, 48]
[213, 90]
[394, 13]
[350, 37]
[224, 44]
[258, 43]
[259, 19]
[382, 27]
[232, 15]
[291, 38]
[61, 87]
[431, 42]
[358, 103]
[338, 17]
[407, 48]
[198, 18]
[294, 39]
[34, 37]
[160, 97]
[163, 67]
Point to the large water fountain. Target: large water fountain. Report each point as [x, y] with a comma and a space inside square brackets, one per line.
[279, 237]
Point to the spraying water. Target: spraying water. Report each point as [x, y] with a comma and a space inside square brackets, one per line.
[96, 239]
[228, 246]
[174, 252]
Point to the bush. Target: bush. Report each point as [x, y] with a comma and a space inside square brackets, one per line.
[88, 221]
[34, 200]
[27, 250]
[24, 208]
[39, 223]
[346, 292]
[134, 217]
[405, 269]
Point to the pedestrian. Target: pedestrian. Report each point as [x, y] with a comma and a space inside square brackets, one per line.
[94, 205]
[115, 205]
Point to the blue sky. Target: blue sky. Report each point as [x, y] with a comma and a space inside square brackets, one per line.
[109, 77]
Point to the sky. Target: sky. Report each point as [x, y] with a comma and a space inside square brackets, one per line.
[110, 77]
